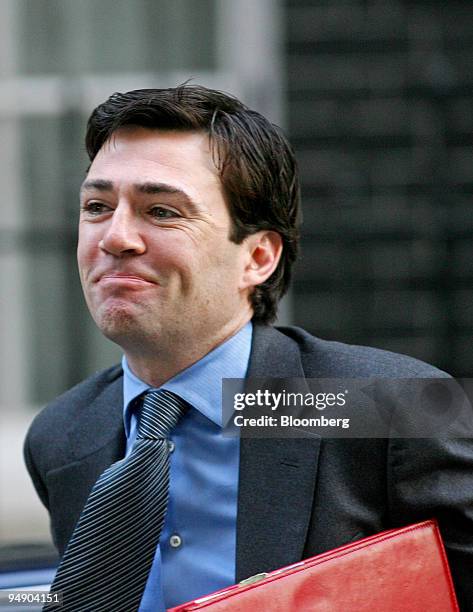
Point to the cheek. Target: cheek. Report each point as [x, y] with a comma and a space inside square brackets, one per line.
[171, 256]
[223, 271]
[87, 252]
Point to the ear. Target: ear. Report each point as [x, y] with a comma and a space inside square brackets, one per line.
[264, 251]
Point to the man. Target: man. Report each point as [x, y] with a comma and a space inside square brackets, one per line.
[188, 230]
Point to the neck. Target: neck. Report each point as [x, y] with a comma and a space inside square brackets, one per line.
[156, 365]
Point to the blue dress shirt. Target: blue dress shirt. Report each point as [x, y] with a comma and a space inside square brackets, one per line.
[197, 550]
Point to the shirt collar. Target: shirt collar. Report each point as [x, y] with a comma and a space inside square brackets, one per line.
[201, 383]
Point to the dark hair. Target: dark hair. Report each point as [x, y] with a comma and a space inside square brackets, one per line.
[255, 162]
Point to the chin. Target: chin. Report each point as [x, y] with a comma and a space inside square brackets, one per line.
[117, 321]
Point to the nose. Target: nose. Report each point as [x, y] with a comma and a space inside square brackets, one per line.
[122, 235]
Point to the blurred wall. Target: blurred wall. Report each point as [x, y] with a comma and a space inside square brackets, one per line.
[380, 111]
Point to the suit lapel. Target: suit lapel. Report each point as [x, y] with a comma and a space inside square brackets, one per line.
[277, 476]
[89, 454]
[105, 411]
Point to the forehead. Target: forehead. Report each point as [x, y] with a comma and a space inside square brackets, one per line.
[138, 155]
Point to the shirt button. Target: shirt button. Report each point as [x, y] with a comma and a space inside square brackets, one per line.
[171, 446]
[175, 541]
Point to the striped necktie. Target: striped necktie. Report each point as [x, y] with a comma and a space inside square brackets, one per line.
[109, 556]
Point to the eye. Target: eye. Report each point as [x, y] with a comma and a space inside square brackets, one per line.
[160, 212]
[94, 207]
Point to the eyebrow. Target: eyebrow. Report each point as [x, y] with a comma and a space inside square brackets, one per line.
[148, 188]
[158, 188]
[97, 184]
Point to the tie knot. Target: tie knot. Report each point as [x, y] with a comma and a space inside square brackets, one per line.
[160, 412]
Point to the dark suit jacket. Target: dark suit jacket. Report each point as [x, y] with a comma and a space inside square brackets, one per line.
[297, 497]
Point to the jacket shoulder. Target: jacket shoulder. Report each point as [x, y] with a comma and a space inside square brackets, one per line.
[58, 415]
[330, 359]
[46, 445]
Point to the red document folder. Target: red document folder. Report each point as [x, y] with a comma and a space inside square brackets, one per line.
[401, 570]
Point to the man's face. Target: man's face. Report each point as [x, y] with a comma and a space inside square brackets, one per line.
[156, 264]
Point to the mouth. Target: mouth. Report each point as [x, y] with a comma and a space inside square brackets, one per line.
[115, 278]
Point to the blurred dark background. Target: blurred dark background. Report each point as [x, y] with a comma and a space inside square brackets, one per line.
[380, 111]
